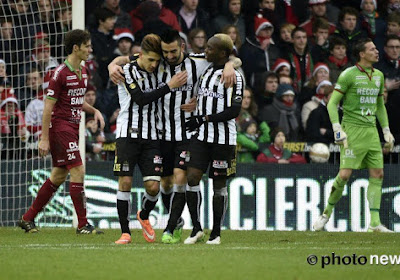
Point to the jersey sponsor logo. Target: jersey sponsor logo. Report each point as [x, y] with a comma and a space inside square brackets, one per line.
[125, 166]
[361, 83]
[50, 92]
[73, 147]
[349, 153]
[73, 84]
[361, 78]
[210, 93]
[183, 88]
[220, 164]
[366, 111]
[76, 91]
[73, 77]
[55, 76]
[183, 154]
[132, 86]
[77, 100]
[368, 99]
[368, 91]
[157, 159]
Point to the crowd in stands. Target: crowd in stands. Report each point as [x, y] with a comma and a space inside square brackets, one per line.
[292, 52]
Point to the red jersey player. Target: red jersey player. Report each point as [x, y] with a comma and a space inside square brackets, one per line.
[60, 131]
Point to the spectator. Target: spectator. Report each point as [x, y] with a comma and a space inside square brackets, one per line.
[276, 153]
[285, 80]
[32, 87]
[94, 139]
[8, 46]
[285, 37]
[337, 61]
[372, 24]
[125, 40]
[249, 108]
[321, 73]
[300, 59]
[41, 59]
[45, 18]
[281, 67]
[232, 16]
[13, 128]
[308, 107]
[265, 88]
[4, 81]
[393, 24]
[318, 10]
[249, 139]
[197, 40]
[103, 42]
[259, 54]
[140, 14]
[319, 42]
[282, 112]
[34, 110]
[348, 29]
[389, 64]
[233, 32]
[63, 24]
[191, 16]
[319, 126]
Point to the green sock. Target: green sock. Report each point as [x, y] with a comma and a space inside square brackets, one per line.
[336, 194]
[374, 195]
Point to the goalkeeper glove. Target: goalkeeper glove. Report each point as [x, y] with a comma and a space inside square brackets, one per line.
[389, 139]
[339, 135]
[194, 122]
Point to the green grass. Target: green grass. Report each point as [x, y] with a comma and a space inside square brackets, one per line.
[61, 254]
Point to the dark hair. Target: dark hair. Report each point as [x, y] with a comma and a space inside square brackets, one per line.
[171, 35]
[238, 42]
[391, 37]
[336, 41]
[253, 108]
[320, 23]
[298, 29]
[360, 47]
[75, 37]
[151, 43]
[102, 14]
[275, 132]
[347, 11]
[394, 17]
[6, 19]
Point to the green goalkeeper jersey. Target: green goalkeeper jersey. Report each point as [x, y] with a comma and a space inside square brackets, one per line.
[360, 88]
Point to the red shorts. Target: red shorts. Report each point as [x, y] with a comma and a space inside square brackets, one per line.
[64, 149]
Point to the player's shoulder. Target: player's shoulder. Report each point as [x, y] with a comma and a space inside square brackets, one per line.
[378, 72]
[59, 71]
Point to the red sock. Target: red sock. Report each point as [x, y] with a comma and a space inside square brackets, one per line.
[77, 193]
[43, 197]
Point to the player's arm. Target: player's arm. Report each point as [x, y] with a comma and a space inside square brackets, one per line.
[228, 75]
[339, 135]
[98, 116]
[115, 70]
[44, 144]
[141, 98]
[229, 113]
[381, 114]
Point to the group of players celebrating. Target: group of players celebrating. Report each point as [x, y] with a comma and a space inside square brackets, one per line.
[177, 119]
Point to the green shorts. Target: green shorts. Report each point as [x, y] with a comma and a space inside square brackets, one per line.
[364, 148]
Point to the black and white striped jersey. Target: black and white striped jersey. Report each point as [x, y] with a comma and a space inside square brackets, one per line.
[171, 119]
[138, 114]
[214, 98]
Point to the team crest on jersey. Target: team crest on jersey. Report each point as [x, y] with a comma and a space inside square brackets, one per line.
[377, 81]
[132, 86]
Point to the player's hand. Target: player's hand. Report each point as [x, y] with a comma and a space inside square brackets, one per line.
[339, 135]
[178, 80]
[44, 147]
[116, 73]
[392, 84]
[194, 122]
[99, 117]
[190, 106]
[228, 75]
[389, 139]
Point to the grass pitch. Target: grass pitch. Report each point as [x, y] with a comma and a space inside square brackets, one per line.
[61, 254]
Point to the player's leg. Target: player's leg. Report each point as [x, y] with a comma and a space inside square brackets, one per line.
[223, 165]
[57, 177]
[374, 195]
[124, 208]
[126, 155]
[166, 189]
[150, 164]
[77, 193]
[167, 149]
[335, 195]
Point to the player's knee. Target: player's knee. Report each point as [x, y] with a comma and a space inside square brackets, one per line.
[166, 183]
[180, 177]
[125, 183]
[152, 187]
[193, 179]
